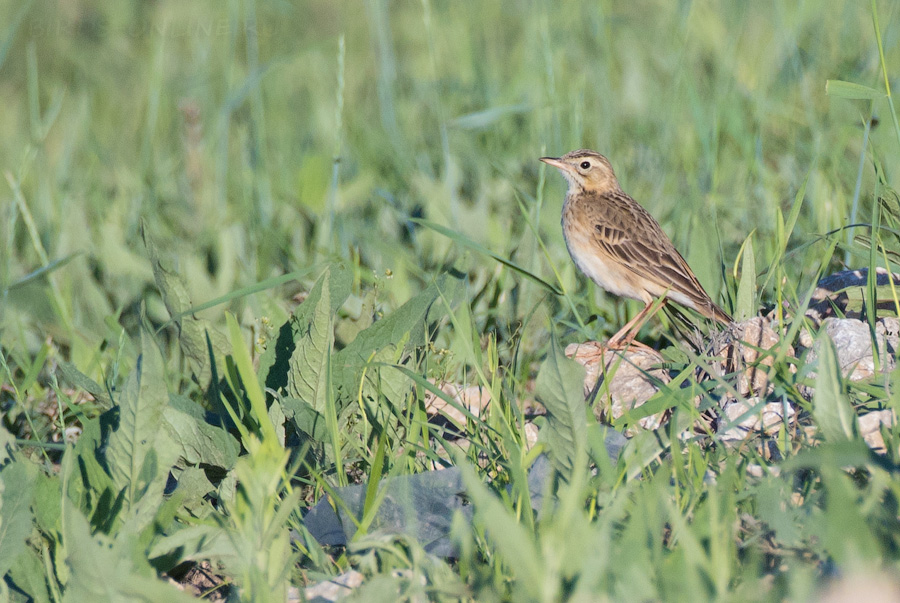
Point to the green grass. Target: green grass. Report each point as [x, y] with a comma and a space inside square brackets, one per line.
[394, 145]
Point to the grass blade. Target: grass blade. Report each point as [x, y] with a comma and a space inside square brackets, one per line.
[470, 244]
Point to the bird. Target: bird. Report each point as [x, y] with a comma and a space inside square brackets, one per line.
[615, 242]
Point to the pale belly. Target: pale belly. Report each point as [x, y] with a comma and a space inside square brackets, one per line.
[608, 274]
[612, 276]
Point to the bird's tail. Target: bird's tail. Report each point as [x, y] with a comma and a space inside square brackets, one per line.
[718, 314]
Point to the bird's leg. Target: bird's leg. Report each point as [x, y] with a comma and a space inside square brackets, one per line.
[627, 333]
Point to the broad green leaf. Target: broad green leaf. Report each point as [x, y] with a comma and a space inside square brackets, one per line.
[47, 504]
[139, 454]
[842, 89]
[192, 331]
[198, 442]
[93, 479]
[274, 364]
[27, 574]
[388, 384]
[848, 538]
[277, 417]
[404, 328]
[103, 568]
[313, 342]
[78, 379]
[560, 388]
[197, 542]
[193, 486]
[745, 306]
[348, 328]
[831, 407]
[774, 507]
[16, 490]
[306, 418]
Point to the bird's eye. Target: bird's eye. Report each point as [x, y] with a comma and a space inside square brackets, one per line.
[585, 165]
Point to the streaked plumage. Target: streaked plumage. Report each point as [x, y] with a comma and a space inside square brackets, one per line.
[620, 246]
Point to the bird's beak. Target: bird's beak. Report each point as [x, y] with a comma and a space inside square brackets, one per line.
[555, 162]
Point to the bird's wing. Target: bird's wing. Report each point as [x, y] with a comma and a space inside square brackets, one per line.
[626, 231]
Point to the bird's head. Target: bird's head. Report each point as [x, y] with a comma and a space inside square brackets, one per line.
[586, 170]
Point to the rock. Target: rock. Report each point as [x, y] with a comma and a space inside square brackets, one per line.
[805, 338]
[745, 347]
[334, 589]
[473, 398]
[634, 376]
[853, 344]
[743, 418]
[870, 427]
[833, 293]
[754, 470]
[531, 435]
[872, 586]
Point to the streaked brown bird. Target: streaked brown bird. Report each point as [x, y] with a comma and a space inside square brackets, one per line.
[621, 247]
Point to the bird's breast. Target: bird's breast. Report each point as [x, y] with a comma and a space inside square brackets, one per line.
[579, 229]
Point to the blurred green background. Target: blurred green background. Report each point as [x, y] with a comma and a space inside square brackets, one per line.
[260, 138]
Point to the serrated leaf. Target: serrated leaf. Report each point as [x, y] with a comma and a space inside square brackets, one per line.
[139, 454]
[831, 408]
[16, 490]
[192, 331]
[559, 387]
[314, 338]
[842, 89]
[274, 363]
